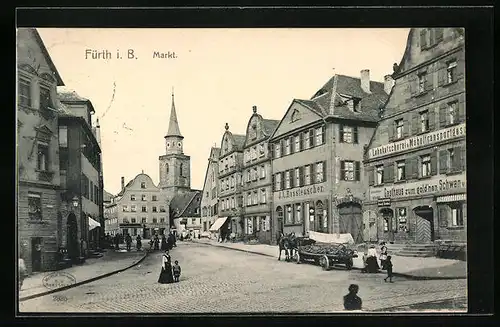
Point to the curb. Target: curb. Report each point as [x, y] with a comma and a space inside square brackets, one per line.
[86, 281]
[395, 274]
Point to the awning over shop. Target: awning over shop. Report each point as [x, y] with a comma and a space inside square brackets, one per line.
[452, 198]
[93, 224]
[218, 224]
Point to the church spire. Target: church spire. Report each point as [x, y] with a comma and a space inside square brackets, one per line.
[173, 125]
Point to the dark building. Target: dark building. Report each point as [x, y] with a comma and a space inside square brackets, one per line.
[185, 213]
[416, 160]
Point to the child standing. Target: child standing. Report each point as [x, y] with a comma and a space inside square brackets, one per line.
[388, 267]
[177, 271]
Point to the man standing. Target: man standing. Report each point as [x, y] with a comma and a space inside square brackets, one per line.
[352, 301]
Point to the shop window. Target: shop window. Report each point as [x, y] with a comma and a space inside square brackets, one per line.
[24, 92]
[401, 173]
[424, 121]
[379, 174]
[320, 135]
[298, 213]
[402, 220]
[425, 168]
[264, 223]
[35, 206]
[386, 224]
[307, 175]
[457, 217]
[399, 128]
[451, 71]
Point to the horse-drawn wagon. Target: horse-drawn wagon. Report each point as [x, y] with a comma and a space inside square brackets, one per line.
[325, 252]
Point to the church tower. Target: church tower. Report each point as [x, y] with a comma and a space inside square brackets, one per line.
[175, 166]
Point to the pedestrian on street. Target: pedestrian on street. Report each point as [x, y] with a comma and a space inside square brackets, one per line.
[22, 272]
[177, 271]
[383, 254]
[352, 301]
[128, 240]
[388, 267]
[117, 241]
[156, 242]
[164, 243]
[138, 242]
[166, 274]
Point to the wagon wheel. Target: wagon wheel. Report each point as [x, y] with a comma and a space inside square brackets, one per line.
[298, 259]
[349, 264]
[324, 262]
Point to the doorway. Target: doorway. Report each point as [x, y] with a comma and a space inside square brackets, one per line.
[72, 244]
[36, 254]
[387, 221]
[370, 228]
[320, 225]
[424, 216]
[351, 220]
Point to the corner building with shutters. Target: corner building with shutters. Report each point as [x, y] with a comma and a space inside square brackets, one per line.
[317, 148]
[416, 160]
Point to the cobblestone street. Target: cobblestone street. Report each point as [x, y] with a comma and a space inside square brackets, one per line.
[222, 280]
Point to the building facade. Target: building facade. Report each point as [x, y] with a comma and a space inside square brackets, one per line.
[175, 166]
[257, 178]
[185, 210]
[39, 221]
[230, 183]
[210, 193]
[317, 153]
[142, 208]
[416, 161]
[80, 169]
[111, 218]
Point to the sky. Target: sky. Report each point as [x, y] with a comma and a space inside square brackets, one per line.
[217, 76]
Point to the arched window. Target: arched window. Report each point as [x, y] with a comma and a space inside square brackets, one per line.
[181, 169]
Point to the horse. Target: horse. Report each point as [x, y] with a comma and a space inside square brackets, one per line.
[284, 245]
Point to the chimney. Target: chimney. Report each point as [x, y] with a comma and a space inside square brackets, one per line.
[123, 183]
[365, 80]
[388, 83]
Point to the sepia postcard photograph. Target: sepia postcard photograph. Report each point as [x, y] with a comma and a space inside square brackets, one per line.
[241, 170]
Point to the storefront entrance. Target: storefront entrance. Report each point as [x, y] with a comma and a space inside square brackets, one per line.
[386, 219]
[351, 220]
[424, 216]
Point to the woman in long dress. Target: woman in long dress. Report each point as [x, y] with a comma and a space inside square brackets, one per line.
[371, 260]
[166, 274]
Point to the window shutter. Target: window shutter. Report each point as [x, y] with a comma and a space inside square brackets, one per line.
[341, 133]
[442, 115]
[324, 171]
[323, 133]
[414, 167]
[313, 173]
[387, 172]
[355, 134]
[457, 160]
[443, 161]
[357, 171]
[301, 141]
[301, 176]
[342, 170]
[415, 123]
[443, 215]
[423, 39]
[282, 180]
[429, 82]
[409, 168]
[434, 163]
[292, 177]
[438, 34]
[371, 178]
[273, 181]
[406, 126]
[390, 130]
[461, 109]
[463, 157]
[432, 119]
[442, 74]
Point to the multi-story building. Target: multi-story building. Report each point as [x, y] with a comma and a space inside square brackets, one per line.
[416, 158]
[230, 183]
[257, 178]
[185, 213]
[80, 168]
[142, 208]
[39, 221]
[111, 217]
[317, 154]
[210, 193]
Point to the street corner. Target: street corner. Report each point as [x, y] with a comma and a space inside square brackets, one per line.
[58, 279]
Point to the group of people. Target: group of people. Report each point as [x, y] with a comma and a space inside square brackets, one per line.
[167, 242]
[371, 264]
[169, 273]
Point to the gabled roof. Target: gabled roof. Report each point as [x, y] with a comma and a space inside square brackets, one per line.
[106, 196]
[70, 96]
[349, 86]
[215, 152]
[239, 141]
[269, 125]
[45, 52]
[132, 181]
[183, 203]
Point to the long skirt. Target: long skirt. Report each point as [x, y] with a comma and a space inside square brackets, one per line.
[166, 276]
[163, 245]
[372, 265]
